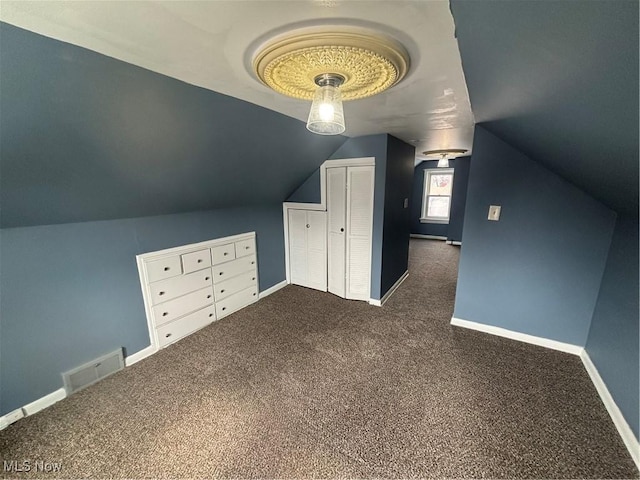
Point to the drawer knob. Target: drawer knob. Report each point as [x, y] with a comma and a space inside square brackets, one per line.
[165, 314]
[211, 314]
[221, 273]
[253, 263]
[208, 296]
[167, 335]
[247, 248]
[199, 260]
[253, 278]
[308, 225]
[222, 291]
[254, 294]
[224, 308]
[160, 293]
[206, 278]
[225, 254]
[166, 269]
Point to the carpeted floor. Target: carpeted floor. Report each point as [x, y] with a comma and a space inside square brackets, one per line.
[304, 384]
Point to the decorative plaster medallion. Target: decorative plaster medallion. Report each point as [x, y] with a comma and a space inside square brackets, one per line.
[369, 64]
[445, 151]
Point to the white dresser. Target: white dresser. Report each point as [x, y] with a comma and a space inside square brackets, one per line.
[186, 288]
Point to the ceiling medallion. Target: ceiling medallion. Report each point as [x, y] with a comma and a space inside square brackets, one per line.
[369, 64]
[444, 155]
[445, 151]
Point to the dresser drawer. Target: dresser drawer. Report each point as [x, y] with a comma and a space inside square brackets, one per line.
[233, 268]
[165, 290]
[223, 253]
[195, 261]
[181, 327]
[168, 311]
[234, 285]
[236, 301]
[165, 268]
[245, 247]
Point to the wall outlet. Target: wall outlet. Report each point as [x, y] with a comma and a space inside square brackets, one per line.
[494, 212]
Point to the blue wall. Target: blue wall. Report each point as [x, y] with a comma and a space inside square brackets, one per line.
[459, 198]
[538, 270]
[85, 137]
[613, 342]
[71, 292]
[396, 232]
[452, 230]
[309, 191]
[558, 80]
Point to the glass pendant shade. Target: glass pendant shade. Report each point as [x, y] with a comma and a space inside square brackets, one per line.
[443, 162]
[326, 116]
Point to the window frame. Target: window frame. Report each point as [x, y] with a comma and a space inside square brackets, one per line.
[428, 172]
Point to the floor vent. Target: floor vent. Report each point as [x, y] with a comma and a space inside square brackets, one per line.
[89, 373]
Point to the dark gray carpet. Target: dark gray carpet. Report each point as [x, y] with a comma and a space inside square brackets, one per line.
[304, 384]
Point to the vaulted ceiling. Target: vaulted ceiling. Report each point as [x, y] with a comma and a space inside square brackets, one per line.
[559, 81]
[211, 43]
[556, 79]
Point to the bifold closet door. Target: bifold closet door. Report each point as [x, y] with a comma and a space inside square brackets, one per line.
[359, 211]
[336, 226]
[349, 230]
[308, 248]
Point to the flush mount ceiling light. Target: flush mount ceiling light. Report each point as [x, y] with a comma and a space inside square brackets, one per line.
[444, 155]
[329, 67]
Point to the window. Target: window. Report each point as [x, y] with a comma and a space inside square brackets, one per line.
[436, 200]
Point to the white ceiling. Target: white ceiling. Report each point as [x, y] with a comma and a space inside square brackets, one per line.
[210, 44]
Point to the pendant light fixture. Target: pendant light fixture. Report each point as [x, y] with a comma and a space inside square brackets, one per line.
[443, 162]
[329, 65]
[327, 116]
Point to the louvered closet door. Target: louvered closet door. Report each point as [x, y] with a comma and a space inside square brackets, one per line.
[336, 226]
[298, 246]
[317, 250]
[308, 248]
[359, 210]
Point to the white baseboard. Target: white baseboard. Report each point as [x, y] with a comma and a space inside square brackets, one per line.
[428, 237]
[10, 418]
[629, 439]
[394, 287]
[140, 355]
[33, 407]
[273, 289]
[454, 242]
[522, 337]
[44, 402]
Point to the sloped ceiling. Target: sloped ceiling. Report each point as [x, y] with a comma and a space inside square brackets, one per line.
[85, 137]
[559, 81]
[211, 43]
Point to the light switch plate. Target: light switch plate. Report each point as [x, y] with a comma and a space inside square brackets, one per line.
[494, 212]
